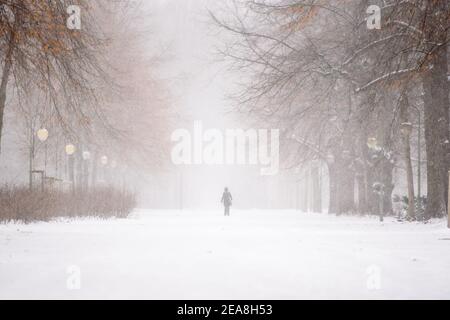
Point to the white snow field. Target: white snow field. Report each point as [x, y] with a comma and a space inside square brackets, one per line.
[203, 255]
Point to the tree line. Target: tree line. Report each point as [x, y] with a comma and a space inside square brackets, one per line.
[356, 99]
[80, 88]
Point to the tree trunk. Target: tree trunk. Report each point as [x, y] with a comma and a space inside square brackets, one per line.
[436, 102]
[362, 190]
[388, 189]
[346, 190]
[333, 201]
[409, 179]
[71, 160]
[316, 190]
[4, 81]
[86, 172]
[406, 131]
[362, 176]
[80, 171]
[94, 170]
[31, 158]
[305, 200]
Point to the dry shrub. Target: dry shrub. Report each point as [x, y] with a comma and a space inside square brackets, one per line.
[22, 205]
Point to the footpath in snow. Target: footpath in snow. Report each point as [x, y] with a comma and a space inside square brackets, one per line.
[203, 255]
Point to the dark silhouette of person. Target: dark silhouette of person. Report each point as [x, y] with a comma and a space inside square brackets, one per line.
[227, 201]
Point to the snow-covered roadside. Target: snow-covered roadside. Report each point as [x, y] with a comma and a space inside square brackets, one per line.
[202, 255]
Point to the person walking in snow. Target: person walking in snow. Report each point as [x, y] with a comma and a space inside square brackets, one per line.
[227, 200]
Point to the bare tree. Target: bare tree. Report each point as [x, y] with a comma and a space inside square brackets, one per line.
[37, 45]
[100, 92]
[291, 47]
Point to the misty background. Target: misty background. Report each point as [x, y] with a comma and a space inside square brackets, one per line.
[199, 83]
[199, 86]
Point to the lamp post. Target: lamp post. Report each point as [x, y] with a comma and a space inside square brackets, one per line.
[42, 135]
[86, 155]
[70, 151]
[406, 129]
[104, 163]
[31, 158]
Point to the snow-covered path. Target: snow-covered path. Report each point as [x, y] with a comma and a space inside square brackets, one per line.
[250, 255]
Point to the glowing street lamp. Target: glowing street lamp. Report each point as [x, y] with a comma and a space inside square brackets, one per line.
[70, 149]
[104, 160]
[42, 134]
[86, 155]
[372, 143]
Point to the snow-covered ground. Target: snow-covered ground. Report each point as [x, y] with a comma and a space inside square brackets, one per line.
[202, 255]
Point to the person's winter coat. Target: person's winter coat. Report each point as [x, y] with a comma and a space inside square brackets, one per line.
[227, 199]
